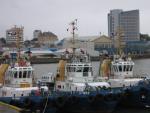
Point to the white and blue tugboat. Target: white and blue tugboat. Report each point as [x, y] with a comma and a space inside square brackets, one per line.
[119, 73]
[18, 80]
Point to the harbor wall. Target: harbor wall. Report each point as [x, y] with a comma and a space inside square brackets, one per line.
[46, 60]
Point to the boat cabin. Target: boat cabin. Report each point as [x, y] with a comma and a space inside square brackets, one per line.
[122, 68]
[19, 77]
[79, 72]
[48, 80]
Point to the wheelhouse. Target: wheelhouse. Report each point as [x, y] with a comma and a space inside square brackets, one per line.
[122, 68]
[19, 77]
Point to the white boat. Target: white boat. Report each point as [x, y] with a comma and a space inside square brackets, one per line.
[76, 74]
[19, 78]
[122, 73]
[119, 71]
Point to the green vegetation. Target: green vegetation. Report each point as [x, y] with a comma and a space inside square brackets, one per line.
[145, 37]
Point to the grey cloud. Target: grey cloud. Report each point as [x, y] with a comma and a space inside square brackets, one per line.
[54, 15]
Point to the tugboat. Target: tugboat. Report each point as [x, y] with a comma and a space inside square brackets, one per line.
[119, 74]
[18, 80]
[119, 71]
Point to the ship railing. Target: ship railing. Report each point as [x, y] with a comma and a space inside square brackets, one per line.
[85, 93]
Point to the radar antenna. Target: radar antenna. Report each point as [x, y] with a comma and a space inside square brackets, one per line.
[73, 28]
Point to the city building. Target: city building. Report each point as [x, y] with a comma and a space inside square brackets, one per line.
[37, 33]
[14, 34]
[128, 21]
[104, 44]
[47, 39]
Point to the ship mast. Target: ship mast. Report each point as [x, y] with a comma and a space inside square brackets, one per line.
[73, 25]
[119, 45]
[18, 30]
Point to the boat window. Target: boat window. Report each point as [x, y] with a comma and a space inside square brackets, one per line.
[86, 69]
[78, 69]
[15, 74]
[116, 68]
[59, 86]
[73, 69]
[131, 67]
[20, 74]
[69, 69]
[120, 68]
[124, 68]
[128, 66]
[29, 74]
[24, 74]
[90, 69]
[85, 74]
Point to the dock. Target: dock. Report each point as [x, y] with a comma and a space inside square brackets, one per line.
[6, 108]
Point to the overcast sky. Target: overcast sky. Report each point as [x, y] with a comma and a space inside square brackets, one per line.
[55, 15]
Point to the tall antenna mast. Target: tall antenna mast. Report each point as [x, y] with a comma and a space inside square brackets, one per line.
[18, 30]
[119, 41]
[73, 28]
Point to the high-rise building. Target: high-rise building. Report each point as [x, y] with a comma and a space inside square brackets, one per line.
[13, 34]
[128, 21]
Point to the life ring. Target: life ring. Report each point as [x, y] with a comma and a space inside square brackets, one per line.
[109, 97]
[99, 97]
[118, 96]
[60, 102]
[91, 99]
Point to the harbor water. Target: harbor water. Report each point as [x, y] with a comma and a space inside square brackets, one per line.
[142, 66]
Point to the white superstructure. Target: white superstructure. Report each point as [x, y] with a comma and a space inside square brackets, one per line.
[122, 72]
[77, 75]
[18, 80]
